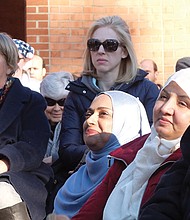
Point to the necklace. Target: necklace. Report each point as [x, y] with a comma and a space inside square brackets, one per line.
[5, 89]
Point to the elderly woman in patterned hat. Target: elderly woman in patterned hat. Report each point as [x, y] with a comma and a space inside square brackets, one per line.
[25, 53]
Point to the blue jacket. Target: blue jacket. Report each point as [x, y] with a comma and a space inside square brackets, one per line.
[82, 92]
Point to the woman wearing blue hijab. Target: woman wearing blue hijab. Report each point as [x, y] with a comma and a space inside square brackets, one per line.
[113, 119]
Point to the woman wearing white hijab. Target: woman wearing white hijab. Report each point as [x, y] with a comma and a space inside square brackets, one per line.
[113, 119]
[139, 165]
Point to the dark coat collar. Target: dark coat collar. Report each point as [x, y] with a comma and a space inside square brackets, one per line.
[16, 97]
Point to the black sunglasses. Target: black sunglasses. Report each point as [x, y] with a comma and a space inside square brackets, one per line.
[110, 45]
[52, 102]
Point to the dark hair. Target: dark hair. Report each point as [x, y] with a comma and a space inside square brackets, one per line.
[182, 63]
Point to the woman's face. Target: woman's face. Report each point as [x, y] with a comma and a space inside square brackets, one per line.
[54, 113]
[172, 112]
[97, 127]
[21, 63]
[106, 61]
[4, 70]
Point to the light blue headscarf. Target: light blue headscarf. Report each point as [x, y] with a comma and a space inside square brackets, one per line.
[129, 122]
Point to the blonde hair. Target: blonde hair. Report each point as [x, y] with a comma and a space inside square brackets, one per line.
[9, 51]
[128, 66]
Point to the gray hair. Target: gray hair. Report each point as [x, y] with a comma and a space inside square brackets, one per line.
[53, 85]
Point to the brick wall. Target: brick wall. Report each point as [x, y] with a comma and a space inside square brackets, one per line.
[160, 30]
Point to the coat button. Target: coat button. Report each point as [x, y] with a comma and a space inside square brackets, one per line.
[84, 91]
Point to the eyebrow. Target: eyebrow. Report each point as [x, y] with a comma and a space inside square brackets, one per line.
[100, 108]
[181, 96]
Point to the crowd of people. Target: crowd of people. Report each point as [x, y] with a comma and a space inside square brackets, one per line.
[111, 144]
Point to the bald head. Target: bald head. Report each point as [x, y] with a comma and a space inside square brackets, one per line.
[151, 68]
[35, 67]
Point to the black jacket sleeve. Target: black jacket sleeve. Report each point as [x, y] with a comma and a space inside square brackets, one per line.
[166, 203]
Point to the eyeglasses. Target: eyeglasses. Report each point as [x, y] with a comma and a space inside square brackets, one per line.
[52, 102]
[110, 45]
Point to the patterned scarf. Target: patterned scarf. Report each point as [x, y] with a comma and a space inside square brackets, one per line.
[5, 89]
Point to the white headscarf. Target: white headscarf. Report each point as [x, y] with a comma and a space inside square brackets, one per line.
[129, 118]
[182, 78]
[124, 201]
[129, 122]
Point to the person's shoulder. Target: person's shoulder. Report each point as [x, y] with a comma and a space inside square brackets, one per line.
[141, 73]
[37, 96]
[149, 86]
[20, 89]
[76, 85]
[76, 82]
[34, 95]
[145, 85]
[82, 86]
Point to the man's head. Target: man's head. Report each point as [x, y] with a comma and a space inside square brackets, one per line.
[151, 68]
[36, 68]
[182, 63]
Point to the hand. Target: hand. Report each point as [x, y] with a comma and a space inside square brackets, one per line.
[48, 160]
[57, 217]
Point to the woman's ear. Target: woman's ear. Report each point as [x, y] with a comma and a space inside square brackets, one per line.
[9, 71]
[124, 53]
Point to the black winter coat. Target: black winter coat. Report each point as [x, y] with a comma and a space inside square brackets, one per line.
[24, 134]
[171, 200]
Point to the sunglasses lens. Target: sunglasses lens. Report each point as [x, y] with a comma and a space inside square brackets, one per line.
[110, 45]
[61, 102]
[52, 102]
[93, 44]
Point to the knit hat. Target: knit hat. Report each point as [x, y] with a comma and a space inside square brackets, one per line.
[53, 85]
[182, 63]
[24, 48]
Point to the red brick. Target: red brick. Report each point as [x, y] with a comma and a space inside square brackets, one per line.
[159, 31]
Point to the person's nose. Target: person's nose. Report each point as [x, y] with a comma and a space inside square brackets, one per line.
[169, 107]
[101, 49]
[57, 107]
[31, 70]
[92, 119]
